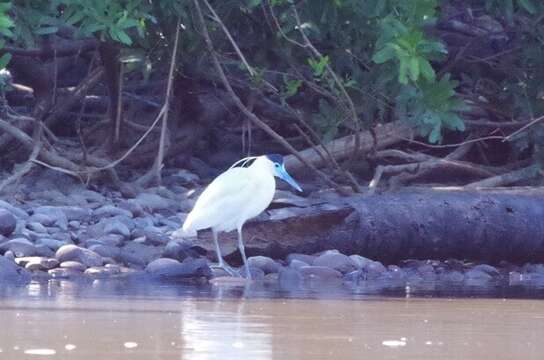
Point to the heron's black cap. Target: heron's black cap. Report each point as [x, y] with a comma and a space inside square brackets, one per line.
[275, 158]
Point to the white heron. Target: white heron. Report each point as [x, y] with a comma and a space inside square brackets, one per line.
[238, 194]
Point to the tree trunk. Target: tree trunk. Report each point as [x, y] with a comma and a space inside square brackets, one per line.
[489, 226]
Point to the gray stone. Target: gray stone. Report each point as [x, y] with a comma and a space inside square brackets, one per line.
[308, 259]
[488, 269]
[101, 272]
[76, 213]
[35, 263]
[74, 224]
[42, 219]
[256, 273]
[139, 254]
[359, 261]
[8, 222]
[155, 236]
[176, 250]
[74, 252]
[11, 273]
[335, 261]
[106, 251]
[453, 276]
[21, 214]
[63, 273]
[20, 247]
[154, 202]
[476, 277]
[133, 206]
[92, 196]
[108, 239]
[319, 273]
[297, 264]
[73, 265]
[110, 210]
[289, 277]
[54, 213]
[51, 243]
[36, 227]
[170, 268]
[43, 250]
[266, 264]
[117, 227]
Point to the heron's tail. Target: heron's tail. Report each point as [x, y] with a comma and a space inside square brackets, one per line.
[186, 230]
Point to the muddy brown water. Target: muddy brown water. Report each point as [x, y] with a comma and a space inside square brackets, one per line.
[118, 320]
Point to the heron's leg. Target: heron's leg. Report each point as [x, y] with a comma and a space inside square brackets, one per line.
[243, 252]
[221, 263]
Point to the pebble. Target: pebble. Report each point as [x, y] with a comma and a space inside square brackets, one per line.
[43, 219]
[106, 251]
[289, 277]
[10, 272]
[110, 211]
[73, 265]
[360, 261]
[36, 227]
[264, 263]
[20, 247]
[53, 244]
[15, 211]
[53, 212]
[63, 273]
[139, 254]
[308, 259]
[336, 261]
[8, 222]
[297, 264]
[319, 273]
[101, 272]
[117, 227]
[41, 264]
[153, 202]
[74, 252]
[43, 250]
[170, 268]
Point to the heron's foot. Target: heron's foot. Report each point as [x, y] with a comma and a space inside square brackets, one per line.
[226, 268]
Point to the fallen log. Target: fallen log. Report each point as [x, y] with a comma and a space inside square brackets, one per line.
[386, 135]
[483, 225]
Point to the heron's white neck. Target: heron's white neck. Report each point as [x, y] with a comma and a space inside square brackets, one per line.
[262, 166]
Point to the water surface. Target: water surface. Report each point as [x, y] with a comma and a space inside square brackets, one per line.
[131, 320]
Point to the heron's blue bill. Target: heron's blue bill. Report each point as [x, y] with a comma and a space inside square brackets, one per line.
[284, 175]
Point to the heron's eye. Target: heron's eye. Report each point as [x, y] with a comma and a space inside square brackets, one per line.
[277, 165]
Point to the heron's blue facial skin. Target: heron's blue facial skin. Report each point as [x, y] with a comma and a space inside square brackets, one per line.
[279, 171]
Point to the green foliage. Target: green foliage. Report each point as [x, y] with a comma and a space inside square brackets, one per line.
[6, 24]
[319, 66]
[412, 51]
[433, 106]
[106, 18]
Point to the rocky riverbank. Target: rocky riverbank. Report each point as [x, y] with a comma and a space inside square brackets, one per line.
[56, 228]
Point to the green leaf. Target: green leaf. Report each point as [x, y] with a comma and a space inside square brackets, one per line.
[5, 22]
[123, 37]
[528, 6]
[46, 30]
[413, 68]
[403, 69]
[253, 3]
[4, 60]
[426, 69]
[5, 6]
[385, 54]
[436, 134]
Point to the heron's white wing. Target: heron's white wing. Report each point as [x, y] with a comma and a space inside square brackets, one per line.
[211, 202]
